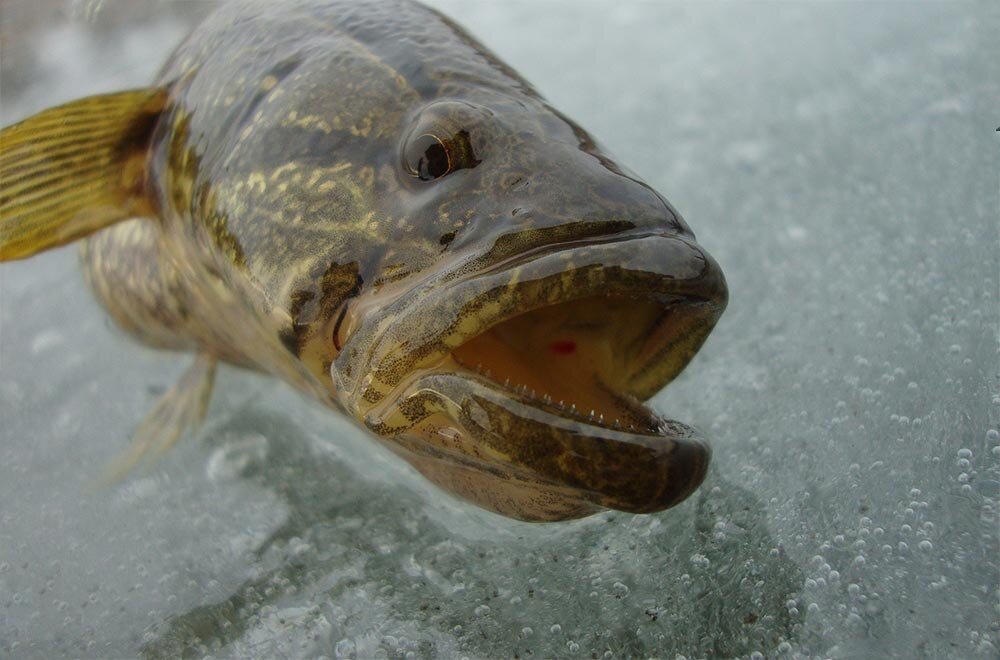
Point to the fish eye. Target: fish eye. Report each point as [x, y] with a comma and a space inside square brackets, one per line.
[428, 156]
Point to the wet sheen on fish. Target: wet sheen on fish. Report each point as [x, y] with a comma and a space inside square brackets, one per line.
[360, 199]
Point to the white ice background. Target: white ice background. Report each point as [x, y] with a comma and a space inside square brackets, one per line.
[839, 161]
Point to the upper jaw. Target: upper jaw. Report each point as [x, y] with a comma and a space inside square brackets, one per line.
[419, 328]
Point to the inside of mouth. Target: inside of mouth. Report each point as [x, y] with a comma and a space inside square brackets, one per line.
[591, 360]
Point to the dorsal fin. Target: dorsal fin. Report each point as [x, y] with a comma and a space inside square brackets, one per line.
[73, 169]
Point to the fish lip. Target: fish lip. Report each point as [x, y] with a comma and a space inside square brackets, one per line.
[692, 274]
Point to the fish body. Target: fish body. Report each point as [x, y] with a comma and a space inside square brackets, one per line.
[362, 200]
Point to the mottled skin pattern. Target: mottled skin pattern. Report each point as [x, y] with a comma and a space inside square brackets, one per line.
[292, 238]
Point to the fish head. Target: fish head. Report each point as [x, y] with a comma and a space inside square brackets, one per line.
[511, 369]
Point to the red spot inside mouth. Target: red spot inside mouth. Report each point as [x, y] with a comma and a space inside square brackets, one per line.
[563, 346]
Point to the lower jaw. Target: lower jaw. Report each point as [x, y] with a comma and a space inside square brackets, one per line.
[511, 455]
[510, 494]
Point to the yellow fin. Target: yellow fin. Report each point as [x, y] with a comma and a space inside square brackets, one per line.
[71, 170]
[181, 408]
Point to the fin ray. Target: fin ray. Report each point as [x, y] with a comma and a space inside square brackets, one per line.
[73, 169]
[181, 409]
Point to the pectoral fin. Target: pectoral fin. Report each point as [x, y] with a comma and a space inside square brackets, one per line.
[71, 170]
[181, 408]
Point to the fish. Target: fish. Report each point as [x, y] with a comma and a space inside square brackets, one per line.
[360, 199]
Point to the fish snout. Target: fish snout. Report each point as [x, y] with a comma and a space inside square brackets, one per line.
[660, 263]
[483, 382]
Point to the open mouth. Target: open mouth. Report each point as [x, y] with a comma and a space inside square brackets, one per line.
[527, 396]
[591, 360]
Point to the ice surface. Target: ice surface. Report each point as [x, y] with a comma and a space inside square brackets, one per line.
[840, 162]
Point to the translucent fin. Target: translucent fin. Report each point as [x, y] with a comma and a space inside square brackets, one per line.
[181, 408]
[71, 170]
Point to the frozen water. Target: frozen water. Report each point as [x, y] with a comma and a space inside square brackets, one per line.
[839, 160]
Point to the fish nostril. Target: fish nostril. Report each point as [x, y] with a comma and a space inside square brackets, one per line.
[514, 181]
[338, 342]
